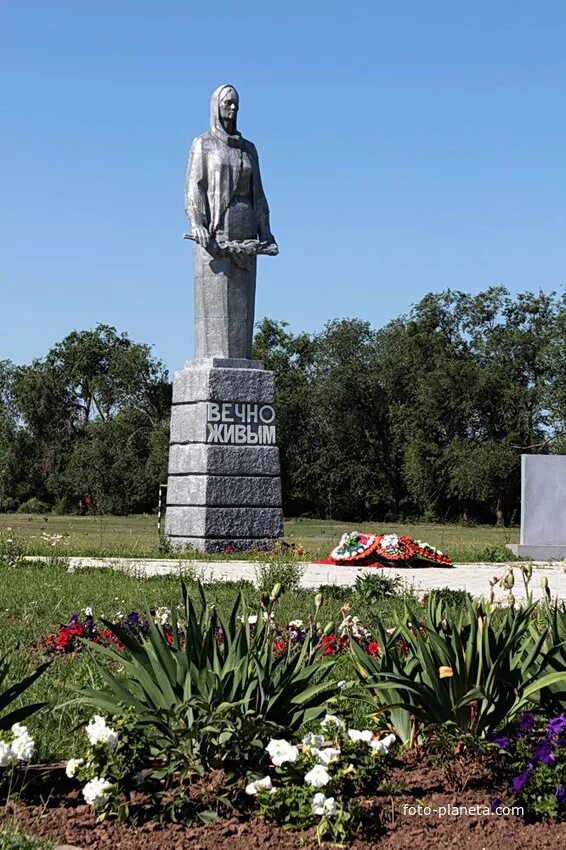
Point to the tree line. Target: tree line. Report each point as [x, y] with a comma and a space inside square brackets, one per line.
[425, 417]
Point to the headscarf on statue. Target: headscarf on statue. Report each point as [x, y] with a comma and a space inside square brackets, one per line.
[213, 174]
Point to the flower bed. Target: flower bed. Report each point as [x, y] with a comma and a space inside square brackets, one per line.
[195, 715]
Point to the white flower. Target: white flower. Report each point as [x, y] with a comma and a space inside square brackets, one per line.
[382, 746]
[6, 754]
[264, 784]
[162, 615]
[325, 756]
[322, 805]
[318, 776]
[296, 624]
[311, 740]
[281, 751]
[389, 541]
[97, 792]
[23, 744]
[88, 612]
[365, 735]
[252, 619]
[99, 733]
[342, 685]
[72, 767]
[331, 720]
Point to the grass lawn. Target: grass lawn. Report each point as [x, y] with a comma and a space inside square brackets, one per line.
[136, 536]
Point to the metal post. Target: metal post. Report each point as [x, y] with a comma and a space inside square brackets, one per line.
[162, 501]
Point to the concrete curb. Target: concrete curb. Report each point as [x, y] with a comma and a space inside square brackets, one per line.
[472, 577]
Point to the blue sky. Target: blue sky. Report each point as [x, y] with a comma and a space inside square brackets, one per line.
[405, 148]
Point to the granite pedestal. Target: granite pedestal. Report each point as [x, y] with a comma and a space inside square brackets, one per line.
[224, 486]
[543, 507]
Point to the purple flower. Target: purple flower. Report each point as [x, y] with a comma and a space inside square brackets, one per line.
[543, 751]
[557, 725]
[561, 793]
[74, 619]
[502, 742]
[520, 781]
[527, 722]
[494, 802]
[133, 619]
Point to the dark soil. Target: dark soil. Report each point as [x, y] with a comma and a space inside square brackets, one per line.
[63, 816]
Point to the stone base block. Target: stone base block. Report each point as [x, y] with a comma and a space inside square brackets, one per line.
[223, 363]
[224, 485]
[200, 458]
[538, 553]
[219, 544]
[221, 384]
[224, 491]
[234, 523]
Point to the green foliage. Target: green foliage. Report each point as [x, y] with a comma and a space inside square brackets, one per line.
[456, 753]
[286, 573]
[223, 679]
[532, 762]
[372, 587]
[16, 840]
[351, 769]
[475, 668]
[87, 425]
[426, 416]
[123, 765]
[34, 506]
[10, 711]
[452, 598]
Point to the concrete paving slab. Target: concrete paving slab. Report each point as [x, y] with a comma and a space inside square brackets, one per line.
[472, 577]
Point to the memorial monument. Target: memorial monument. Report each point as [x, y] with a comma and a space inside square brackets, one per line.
[543, 508]
[224, 485]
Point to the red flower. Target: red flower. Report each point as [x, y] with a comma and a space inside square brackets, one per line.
[330, 644]
[280, 646]
[344, 642]
[169, 638]
[228, 550]
[374, 648]
[300, 551]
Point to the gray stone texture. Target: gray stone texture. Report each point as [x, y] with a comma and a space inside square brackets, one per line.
[217, 384]
[543, 507]
[223, 363]
[188, 423]
[201, 458]
[218, 494]
[224, 490]
[224, 305]
[230, 523]
[220, 544]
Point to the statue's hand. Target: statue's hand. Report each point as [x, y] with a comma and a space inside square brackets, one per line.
[202, 236]
[268, 237]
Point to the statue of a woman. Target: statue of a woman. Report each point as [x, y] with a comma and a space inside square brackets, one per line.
[228, 212]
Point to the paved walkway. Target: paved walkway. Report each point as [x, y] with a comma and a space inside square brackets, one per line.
[472, 577]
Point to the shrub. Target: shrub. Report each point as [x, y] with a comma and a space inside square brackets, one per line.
[475, 668]
[373, 587]
[319, 782]
[34, 506]
[213, 697]
[15, 840]
[286, 573]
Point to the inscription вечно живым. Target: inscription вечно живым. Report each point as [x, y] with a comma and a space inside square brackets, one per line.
[240, 423]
